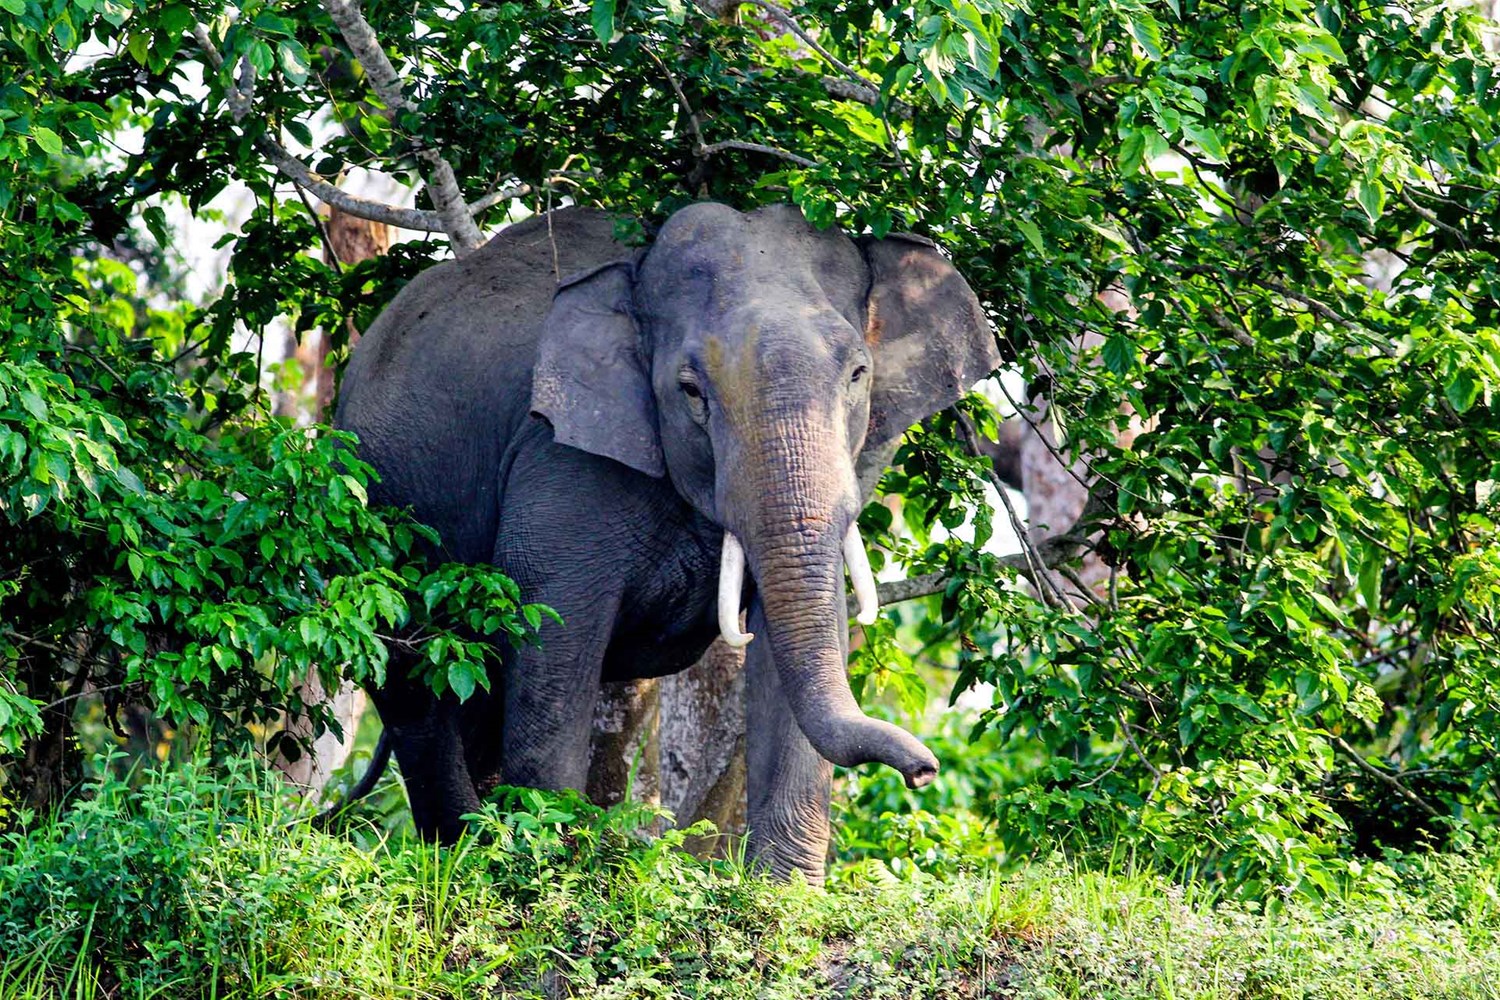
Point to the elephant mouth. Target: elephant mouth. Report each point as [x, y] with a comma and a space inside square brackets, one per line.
[732, 576]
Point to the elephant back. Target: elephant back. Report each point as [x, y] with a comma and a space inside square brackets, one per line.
[442, 378]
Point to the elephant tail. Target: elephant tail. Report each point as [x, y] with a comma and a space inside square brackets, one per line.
[364, 786]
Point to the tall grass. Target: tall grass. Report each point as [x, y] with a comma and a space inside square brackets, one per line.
[200, 884]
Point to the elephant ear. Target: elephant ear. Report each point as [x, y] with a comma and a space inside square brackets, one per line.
[929, 336]
[592, 380]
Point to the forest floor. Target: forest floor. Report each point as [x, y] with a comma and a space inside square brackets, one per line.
[215, 885]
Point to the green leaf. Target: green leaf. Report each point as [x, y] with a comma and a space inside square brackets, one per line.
[47, 139]
[176, 19]
[1119, 354]
[16, 7]
[461, 679]
[156, 222]
[1208, 142]
[1370, 571]
[1462, 390]
[1033, 235]
[63, 31]
[1132, 151]
[1370, 194]
[259, 54]
[130, 480]
[1146, 31]
[293, 60]
[604, 20]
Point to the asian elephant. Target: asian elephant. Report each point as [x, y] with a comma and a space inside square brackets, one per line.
[651, 442]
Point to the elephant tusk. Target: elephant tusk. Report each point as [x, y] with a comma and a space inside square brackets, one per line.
[731, 578]
[858, 562]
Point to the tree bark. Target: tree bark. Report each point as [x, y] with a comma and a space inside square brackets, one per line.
[351, 239]
[624, 751]
[703, 747]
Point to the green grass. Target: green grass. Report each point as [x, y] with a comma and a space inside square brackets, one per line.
[197, 885]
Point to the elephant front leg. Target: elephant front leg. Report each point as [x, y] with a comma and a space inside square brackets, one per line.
[550, 694]
[788, 785]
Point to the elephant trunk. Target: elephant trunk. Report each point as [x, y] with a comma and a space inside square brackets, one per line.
[797, 539]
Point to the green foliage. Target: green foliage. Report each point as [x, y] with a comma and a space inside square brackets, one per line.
[164, 540]
[1245, 254]
[213, 884]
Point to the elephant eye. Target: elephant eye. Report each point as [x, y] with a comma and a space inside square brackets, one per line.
[697, 406]
[859, 373]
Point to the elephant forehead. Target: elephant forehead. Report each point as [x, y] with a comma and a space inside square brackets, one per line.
[700, 225]
[756, 362]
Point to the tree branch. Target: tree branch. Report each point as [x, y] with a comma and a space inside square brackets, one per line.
[1387, 779]
[239, 99]
[442, 186]
[1319, 309]
[784, 16]
[862, 93]
[755, 147]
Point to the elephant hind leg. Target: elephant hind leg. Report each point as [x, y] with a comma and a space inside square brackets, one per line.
[445, 793]
[427, 737]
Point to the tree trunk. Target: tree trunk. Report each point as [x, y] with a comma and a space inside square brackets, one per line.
[352, 240]
[624, 755]
[703, 747]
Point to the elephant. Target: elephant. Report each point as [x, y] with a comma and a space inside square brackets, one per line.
[654, 442]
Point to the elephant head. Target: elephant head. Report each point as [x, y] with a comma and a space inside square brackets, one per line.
[750, 357]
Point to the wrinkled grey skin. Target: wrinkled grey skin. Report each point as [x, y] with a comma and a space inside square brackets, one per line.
[594, 444]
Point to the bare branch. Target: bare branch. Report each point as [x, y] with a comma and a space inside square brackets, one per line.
[239, 98]
[498, 196]
[1319, 309]
[864, 93]
[1390, 780]
[755, 147]
[896, 591]
[1431, 219]
[1222, 323]
[442, 186]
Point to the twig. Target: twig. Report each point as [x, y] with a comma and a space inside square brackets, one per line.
[1388, 779]
[756, 147]
[694, 125]
[1125, 729]
[1432, 219]
[1313, 305]
[80, 694]
[317, 220]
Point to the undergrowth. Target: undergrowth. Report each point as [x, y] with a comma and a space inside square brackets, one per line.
[199, 884]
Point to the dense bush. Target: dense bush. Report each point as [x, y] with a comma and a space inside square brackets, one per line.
[199, 885]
